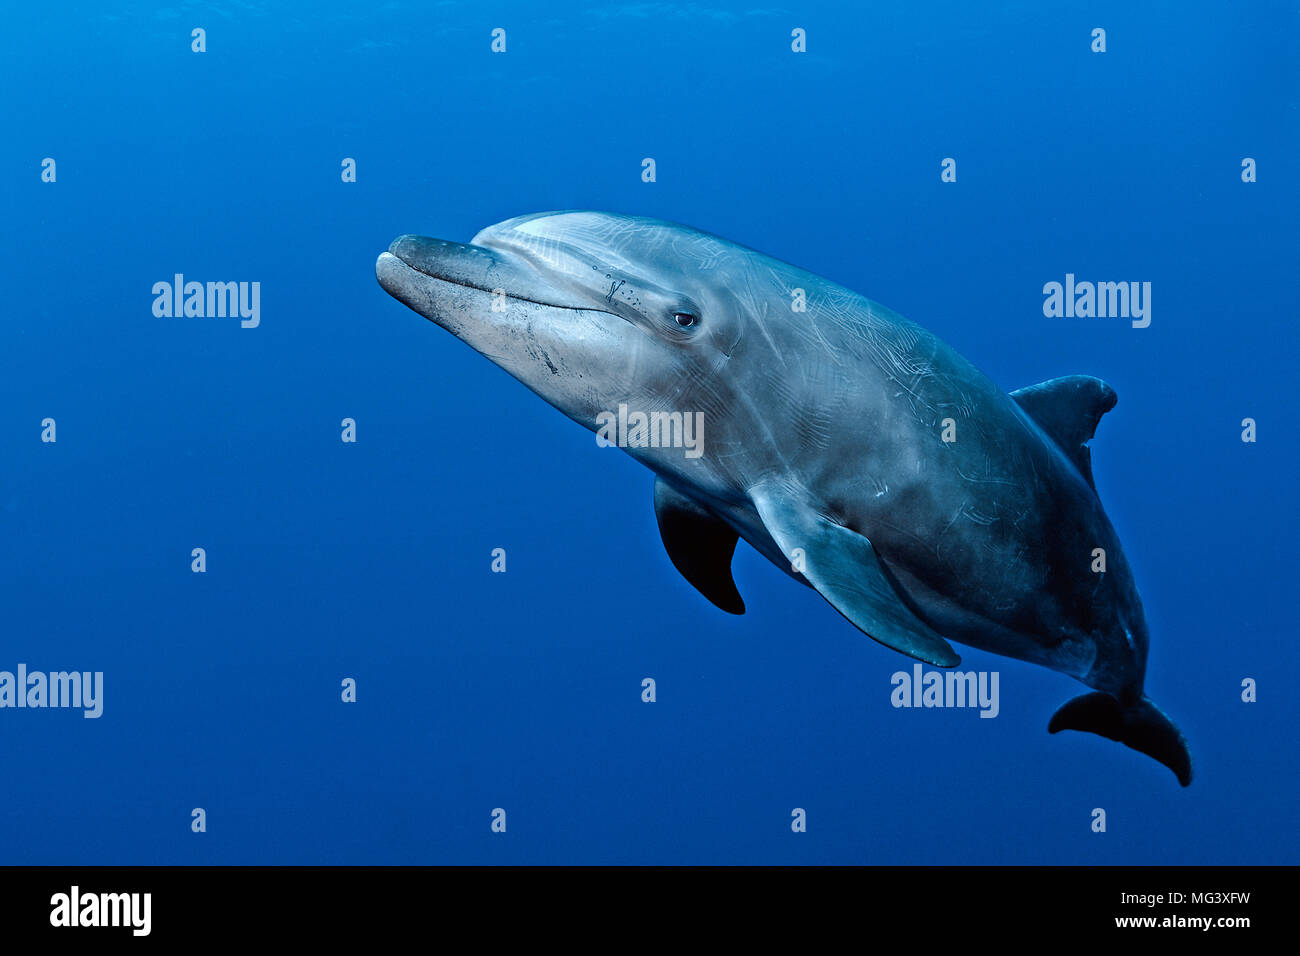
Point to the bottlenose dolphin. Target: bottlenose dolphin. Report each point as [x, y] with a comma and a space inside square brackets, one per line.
[851, 447]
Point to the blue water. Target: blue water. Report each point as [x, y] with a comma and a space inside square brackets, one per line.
[371, 560]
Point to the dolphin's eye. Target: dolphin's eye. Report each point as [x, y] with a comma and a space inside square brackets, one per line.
[685, 319]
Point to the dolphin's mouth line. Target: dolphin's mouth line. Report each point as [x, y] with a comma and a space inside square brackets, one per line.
[431, 272]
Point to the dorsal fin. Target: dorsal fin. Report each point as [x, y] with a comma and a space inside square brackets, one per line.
[1068, 409]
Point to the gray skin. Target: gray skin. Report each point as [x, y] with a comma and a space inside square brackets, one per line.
[823, 428]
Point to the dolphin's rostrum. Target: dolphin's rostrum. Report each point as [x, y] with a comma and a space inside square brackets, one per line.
[851, 447]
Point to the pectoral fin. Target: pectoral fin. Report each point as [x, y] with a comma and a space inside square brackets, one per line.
[700, 546]
[843, 566]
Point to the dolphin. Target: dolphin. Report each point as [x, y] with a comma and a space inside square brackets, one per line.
[851, 447]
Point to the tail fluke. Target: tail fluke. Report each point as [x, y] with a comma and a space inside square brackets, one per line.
[1143, 726]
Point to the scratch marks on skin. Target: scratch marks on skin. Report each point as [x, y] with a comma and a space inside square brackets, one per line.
[710, 253]
[533, 346]
[971, 514]
[961, 406]
[923, 543]
[904, 352]
[828, 348]
[948, 527]
[987, 479]
[1101, 580]
[813, 426]
[754, 300]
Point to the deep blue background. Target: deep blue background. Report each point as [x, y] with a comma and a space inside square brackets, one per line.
[371, 560]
